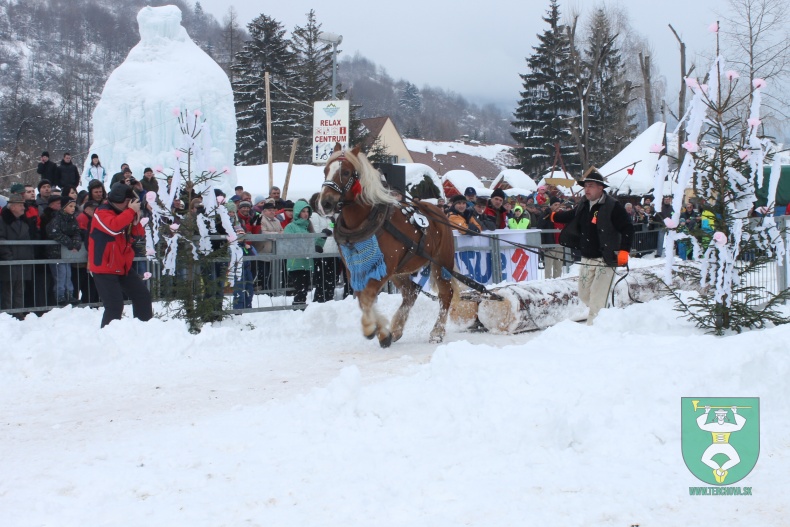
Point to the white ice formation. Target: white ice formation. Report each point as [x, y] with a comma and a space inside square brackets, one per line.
[134, 121]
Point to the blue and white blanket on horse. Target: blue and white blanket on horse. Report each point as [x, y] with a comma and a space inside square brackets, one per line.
[365, 262]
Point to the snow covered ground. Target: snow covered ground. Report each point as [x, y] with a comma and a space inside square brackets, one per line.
[293, 418]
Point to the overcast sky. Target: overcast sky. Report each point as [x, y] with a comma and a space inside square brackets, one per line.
[477, 49]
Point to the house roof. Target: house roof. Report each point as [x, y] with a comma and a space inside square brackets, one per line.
[374, 126]
[443, 163]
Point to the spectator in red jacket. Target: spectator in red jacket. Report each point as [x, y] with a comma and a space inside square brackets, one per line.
[110, 255]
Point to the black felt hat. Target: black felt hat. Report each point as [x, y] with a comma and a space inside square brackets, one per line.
[593, 176]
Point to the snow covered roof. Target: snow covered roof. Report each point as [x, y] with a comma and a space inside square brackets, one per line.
[642, 181]
[416, 173]
[461, 179]
[516, 181]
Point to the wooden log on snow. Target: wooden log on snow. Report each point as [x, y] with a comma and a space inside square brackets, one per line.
[534, 305]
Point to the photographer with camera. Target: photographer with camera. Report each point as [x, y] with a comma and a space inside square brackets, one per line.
[110, 255]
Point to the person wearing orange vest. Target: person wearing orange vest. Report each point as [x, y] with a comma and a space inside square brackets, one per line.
[110, 255]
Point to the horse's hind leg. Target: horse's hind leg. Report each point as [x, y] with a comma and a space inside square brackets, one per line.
[445, 297]
[409, 290]
[373, 323]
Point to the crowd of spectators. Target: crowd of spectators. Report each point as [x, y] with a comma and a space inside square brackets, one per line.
[55, 210]
[49, 275]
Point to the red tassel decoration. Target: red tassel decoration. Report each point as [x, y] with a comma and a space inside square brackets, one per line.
[356, 189]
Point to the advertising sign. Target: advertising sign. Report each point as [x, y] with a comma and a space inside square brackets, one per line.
[330, 126]
[517, 264]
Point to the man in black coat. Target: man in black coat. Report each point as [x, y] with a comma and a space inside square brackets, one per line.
[68, 175]
[13, 227]
[599, 227]
[47, 169]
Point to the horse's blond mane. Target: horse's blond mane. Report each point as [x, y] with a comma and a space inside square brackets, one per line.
[373, 192]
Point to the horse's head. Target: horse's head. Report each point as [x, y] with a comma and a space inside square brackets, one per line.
[340, 175]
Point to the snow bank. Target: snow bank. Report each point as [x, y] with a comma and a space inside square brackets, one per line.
[295, 419]
[305, 179]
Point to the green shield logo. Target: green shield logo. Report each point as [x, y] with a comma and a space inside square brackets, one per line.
[720, 437]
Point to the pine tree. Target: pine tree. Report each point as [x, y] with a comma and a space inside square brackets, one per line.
[611, 125]
[543, 114]
[726, 155]
[377, 152]
[411, 107]
[193, 281]
[268, 50]
[314, 72]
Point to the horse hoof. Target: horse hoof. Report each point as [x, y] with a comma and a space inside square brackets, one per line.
[396, 338]
[370, 337]
[386, 341]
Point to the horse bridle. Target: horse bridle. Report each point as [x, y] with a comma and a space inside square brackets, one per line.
[353, 178]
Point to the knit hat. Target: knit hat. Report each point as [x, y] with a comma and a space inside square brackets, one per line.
[43, 182]
[259, 199]
[90, 204]
[242, 204]
[65, 200]
[470, 191]
[289, 205]
[234, 198]
[53, 199]
[457, 198]
[498, 193]
[518, 208]
[44, 153]
[17, 188]
[230, 206]
[119, 193]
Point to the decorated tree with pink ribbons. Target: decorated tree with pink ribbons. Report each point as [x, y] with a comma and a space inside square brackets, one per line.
[195, 229]
[731, 243]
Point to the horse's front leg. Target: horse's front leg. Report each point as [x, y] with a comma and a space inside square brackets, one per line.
[373, 323]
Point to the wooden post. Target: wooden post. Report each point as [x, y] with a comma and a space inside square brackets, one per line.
[269, 131]
[290, 166]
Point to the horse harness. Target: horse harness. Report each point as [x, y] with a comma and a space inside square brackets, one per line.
[378, 218]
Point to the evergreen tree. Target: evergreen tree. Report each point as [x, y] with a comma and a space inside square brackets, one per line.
[377, 152]
[268, 50]
[543, 115]
[726, 155]
[314, 72]
[193, 280]
[411, 106]
[611, 125]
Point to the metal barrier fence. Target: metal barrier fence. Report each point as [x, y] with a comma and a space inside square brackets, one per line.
[265, 284]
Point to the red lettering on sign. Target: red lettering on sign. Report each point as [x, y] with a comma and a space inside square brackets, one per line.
[520, 258]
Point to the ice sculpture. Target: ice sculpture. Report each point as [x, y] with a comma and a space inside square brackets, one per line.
[134, 121]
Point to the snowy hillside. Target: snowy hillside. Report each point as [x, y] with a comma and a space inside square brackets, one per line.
[293, 418]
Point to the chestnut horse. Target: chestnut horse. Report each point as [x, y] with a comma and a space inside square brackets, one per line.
[354, 186]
